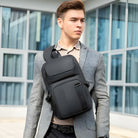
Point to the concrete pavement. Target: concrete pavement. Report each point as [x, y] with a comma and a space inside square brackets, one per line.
[13, 128]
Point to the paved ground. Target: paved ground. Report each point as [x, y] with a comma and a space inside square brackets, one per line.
[13, 128]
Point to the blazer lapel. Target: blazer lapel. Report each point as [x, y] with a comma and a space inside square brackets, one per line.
[83, 53]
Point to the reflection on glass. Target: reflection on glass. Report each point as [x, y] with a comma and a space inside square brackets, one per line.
[13, 28]
[103, 29]
[131, 100]
[132, 35]
[12, 65]
[132, 66]
[90, 29]
[106, 65]
[116, 67]
[31, 58]
[29, 87]
[57, 32]
[40, 30]
[11, 93]
[116, 98]
[118, 26]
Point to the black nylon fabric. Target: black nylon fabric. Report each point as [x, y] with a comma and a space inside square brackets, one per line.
[67, 89]
[54, 133]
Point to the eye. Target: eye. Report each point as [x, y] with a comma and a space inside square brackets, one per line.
[82, 20]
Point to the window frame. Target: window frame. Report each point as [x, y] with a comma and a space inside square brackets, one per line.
[24, 52]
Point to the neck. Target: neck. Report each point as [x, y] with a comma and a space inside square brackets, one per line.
[67, 43]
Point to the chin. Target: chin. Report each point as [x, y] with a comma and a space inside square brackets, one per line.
[77, 38]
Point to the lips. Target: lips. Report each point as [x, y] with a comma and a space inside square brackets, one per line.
[78, 32]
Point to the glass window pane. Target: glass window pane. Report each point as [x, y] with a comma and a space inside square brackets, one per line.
[12, 65]
[132, 66]
[131, 100]
[90, 29]
[11, 93]
[103, 29]
[118, 26]
[13, 28]
[40, 30]
[31, 58]
[106, 65]
[29, 87]
[57, 33]
[116, 67]
[132, 34]
[116, 94]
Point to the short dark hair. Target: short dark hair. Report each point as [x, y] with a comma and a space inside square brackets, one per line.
[68, 5]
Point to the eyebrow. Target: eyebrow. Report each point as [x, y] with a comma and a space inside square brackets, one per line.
[77, 18]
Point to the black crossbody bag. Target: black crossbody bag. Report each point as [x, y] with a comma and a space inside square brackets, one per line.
[67, 88]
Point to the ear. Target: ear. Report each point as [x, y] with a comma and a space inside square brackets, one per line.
[60, 22]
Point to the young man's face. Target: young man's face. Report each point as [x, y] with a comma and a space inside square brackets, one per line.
[72, 24]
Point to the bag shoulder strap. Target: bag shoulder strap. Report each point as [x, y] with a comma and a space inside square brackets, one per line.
[50, 53]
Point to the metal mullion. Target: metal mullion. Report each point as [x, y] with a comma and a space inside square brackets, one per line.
[123, 99]
[25, 57]
[29, 81]
[27, 30]
[131, 84]
[53, 28]
[117, 51]
[1, 55]
[33, 51]
[132, 48]
[96, 31]
[109, 67]
[11, 79]
[12, 51]
[126, 30]
[25, 92]
[109, 48]
[0, 25]
[124, 58]
[110, 28]
[116, 83]
[124, 67]
[25, 73]
[1, 63]
[104, 52]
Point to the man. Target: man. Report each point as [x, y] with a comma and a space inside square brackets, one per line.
[40, 121]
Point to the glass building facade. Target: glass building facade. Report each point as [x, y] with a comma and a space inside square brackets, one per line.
[23, 34]
[111, 30]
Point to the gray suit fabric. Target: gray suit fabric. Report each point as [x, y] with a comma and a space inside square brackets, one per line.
[39, 113]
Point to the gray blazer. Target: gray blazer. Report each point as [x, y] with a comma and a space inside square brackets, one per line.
[39, 113]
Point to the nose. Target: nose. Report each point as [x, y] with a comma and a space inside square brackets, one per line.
[79, 23]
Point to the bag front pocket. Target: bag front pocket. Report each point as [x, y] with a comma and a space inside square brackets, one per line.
[69, 98]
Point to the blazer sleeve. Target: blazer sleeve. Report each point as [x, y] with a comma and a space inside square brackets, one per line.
[35, 102]
[102, 100]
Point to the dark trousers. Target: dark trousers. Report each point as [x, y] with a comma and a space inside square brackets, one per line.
[57, 131]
